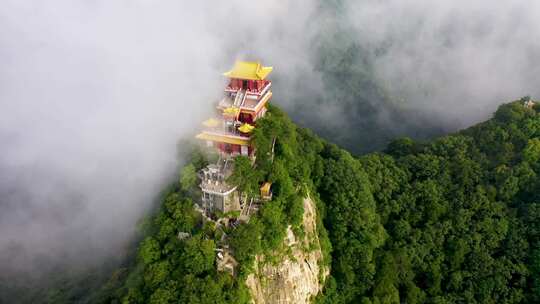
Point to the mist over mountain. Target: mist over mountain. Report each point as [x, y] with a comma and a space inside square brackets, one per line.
[94, 96]
[418, 68]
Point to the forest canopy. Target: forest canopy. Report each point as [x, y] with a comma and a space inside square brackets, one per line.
[459, 217]
[452, 220]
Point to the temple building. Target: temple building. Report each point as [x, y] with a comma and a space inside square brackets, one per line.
[216, 193]
[527, 102]
[244, 102]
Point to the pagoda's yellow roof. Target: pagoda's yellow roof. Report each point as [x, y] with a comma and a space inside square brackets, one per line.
[265, 188]
[246, 128]
[229, 139]
[248, 70]
[211, 123]
[231, 110]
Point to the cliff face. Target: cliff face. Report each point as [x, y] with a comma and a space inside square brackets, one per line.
[299, 274]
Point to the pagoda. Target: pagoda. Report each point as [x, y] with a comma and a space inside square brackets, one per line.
[244, 102]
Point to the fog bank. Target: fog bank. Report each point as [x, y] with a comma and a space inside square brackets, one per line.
[94, 95]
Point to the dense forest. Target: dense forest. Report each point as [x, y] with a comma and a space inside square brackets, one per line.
[450, 221]
[454, 220]
[172, 270]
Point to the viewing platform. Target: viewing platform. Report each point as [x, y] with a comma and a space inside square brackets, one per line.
[217, 194]
[247, 102]
[214, 176]
[235, 138]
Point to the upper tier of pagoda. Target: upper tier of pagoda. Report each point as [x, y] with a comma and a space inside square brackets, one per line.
[244, 101]
[248, 71]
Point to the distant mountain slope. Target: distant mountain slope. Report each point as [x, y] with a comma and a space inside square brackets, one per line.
[460, 216]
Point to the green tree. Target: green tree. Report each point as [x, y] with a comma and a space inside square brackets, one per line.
[149, 250]
[244, 176]
[198, 255]
[188, 177]
[532, 152]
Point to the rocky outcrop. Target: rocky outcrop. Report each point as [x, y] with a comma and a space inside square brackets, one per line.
[298, 276]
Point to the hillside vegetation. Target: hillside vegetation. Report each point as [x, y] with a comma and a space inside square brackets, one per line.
[172, 270]
[454, 220]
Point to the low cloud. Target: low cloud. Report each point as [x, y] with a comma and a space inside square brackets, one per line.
[94, 95]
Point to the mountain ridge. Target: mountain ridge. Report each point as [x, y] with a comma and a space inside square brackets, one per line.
[451, 220]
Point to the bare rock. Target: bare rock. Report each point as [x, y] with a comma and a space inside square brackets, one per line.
[299, 275]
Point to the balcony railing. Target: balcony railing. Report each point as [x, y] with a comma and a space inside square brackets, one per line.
[249, 98]
[213, 187]
[252, 103]
[222, 132]
[226, 102]
[250, 92]
[260, 92]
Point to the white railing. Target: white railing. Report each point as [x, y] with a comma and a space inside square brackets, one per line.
[256, 101]
[236, 133]
[239, 99]
[260, 93]
[243, 99]
[226, 102]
